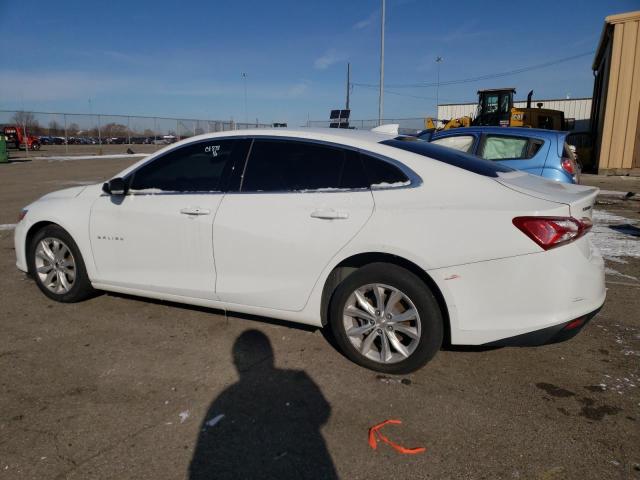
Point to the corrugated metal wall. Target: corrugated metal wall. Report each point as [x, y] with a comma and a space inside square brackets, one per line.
[578, 108]
[620, 147]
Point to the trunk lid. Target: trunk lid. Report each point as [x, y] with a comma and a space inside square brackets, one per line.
[579, 198]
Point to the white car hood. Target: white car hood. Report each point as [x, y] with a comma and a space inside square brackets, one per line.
[66, 193]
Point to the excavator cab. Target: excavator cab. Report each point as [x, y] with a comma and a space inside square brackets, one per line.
[494, 107]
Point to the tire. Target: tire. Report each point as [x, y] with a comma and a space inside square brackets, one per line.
[62, 263]
[420, 336]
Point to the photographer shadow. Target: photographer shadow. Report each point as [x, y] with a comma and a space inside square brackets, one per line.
[267, 425]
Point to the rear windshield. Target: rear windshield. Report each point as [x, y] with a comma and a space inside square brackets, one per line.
[449, 156]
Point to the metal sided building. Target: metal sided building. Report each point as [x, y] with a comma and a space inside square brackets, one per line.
[576, 108]
[616, 95]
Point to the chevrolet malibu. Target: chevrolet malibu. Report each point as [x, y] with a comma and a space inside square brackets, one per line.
[394, 244]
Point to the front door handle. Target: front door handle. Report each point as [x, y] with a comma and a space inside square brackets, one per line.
[195, 211]
[330, 214]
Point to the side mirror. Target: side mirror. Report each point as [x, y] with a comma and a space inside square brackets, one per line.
[115, 186]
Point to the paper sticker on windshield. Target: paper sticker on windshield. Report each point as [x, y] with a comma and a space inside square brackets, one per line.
[212, 149]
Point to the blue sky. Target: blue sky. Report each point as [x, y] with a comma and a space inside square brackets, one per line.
[186, 59]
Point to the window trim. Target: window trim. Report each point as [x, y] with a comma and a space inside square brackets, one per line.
[414, 178]
[224, 180]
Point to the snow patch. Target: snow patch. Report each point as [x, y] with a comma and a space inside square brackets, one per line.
[391, 185]
[184, 415]
[612, 243]
[611, 271]
[65, 158]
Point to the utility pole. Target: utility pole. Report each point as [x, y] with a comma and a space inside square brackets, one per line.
[90, 118]
[348, 84]
[438, 62]
[381, 95]
[246, 112]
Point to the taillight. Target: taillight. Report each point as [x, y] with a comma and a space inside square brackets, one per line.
[568, 165]
[551, 232]
[22, 214]
[573, 324]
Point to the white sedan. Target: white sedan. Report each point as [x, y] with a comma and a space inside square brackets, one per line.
[394, 244]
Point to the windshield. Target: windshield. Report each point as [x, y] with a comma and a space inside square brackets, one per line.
[448, 156]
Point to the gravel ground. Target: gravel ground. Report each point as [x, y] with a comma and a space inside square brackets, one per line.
[127, 388]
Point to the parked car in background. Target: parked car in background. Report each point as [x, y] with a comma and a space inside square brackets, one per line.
[356, 231]
[540, 152]
[583, 143]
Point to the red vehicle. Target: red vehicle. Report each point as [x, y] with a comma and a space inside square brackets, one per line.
[15, 138]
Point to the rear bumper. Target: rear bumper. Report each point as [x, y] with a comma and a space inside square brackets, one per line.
[506, 299]
[555, 334]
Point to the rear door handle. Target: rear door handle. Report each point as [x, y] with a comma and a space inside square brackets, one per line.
[195, 211]
[330, 214]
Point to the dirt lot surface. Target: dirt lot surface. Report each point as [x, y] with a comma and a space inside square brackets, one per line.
[125, 388]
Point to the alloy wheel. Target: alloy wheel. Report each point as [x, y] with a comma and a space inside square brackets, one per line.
[382, 323]
[55, 265]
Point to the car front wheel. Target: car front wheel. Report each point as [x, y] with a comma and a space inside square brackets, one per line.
[385, 318]
[57, 266]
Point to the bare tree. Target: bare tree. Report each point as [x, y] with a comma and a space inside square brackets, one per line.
[73, 129]
[114, 130]
[26, 119]
[54, 128]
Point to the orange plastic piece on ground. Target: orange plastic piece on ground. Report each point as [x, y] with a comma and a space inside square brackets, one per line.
[375, 435]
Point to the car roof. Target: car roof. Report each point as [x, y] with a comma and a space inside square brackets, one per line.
[338, 135]
[520, 131]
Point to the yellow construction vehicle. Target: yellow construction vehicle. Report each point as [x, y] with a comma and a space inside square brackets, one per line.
[495, 108]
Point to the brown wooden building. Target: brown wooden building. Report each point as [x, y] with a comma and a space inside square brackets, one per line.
[615, 111]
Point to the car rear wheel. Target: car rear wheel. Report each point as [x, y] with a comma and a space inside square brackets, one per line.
[57, 266]
[385, 318]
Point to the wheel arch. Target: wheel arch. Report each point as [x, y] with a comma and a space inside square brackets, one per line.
[343, 269]
[33, 229]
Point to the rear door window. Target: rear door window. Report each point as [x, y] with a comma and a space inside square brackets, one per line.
[383, 174]
[287, 166]
[463, 143]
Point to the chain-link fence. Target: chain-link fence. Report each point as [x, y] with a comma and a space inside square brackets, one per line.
[409, 124]
[51, 134]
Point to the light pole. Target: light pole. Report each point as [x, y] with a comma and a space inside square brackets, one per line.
[246, 112]
[438, 62]
[381, 94]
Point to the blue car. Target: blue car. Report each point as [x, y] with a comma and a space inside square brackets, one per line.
[539, 152]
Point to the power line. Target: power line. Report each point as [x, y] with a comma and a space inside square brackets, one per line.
[484, 77]
[391, 92]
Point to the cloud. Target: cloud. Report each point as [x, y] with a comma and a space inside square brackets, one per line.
[464, 32]
[298, 90]
[73, 85]
[365, 22]
[39, 86]
[330, 57]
